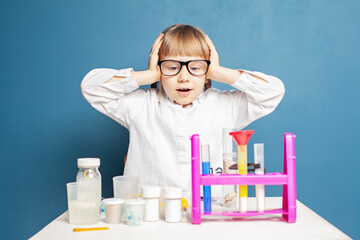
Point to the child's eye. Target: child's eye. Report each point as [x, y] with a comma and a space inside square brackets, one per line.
[172, 68]
[195, 69]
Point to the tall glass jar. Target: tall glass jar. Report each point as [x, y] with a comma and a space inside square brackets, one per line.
[89, 171]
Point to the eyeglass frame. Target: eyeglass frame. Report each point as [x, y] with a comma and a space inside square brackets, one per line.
[186, 64]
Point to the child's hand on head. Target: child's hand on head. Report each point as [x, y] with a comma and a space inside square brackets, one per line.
[214, 59]
[217, 72]
[154, 58]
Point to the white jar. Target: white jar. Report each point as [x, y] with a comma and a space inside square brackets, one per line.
[151, 195]
[113, 209]
[134, 211]
[172, 197]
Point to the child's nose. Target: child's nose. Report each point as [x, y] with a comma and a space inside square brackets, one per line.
[184, 74]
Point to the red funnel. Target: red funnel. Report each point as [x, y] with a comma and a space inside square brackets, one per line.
[242, 137]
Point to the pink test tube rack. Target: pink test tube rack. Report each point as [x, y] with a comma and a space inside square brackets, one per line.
[287, 179]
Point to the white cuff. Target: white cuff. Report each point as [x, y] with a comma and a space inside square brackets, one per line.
[243, 82]
[128, 84]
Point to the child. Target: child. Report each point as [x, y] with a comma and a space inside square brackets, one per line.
[160, 121]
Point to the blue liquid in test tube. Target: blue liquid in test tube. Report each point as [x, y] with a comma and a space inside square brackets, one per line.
[205, 165]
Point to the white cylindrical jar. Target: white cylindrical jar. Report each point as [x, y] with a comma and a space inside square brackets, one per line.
[172, 197]
[151, 195]
[113, 209]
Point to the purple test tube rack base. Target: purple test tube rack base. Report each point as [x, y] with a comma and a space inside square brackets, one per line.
[287, 179]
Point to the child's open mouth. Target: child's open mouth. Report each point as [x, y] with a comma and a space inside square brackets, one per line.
[183, 91]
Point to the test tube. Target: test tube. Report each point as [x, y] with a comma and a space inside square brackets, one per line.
[230, 192]
[242, 138]
[242, 169]
[205, 166]
[260, 189]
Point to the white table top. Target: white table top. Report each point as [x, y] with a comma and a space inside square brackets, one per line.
[308, 225]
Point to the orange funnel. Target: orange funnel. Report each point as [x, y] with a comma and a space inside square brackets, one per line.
[242, 137]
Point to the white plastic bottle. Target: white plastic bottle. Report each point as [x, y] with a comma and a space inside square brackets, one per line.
[172, 197]
[151, 195]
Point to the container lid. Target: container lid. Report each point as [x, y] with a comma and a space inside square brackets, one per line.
[150, 191]
[113, 201]
[135, 201]
[172, 192]
[88, 162]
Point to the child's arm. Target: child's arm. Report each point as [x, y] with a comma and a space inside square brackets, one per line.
[112, 98]
[219, 73]
[259, 93]
[152, 74]
[105, 89]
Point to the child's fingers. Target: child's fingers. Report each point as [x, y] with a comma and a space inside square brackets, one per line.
[159, 39]
[154, 54]
[156, 45]
[210, 43]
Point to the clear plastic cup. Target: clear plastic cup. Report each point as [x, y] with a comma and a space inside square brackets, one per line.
[84, 201]
[126, 187]
[134, 211]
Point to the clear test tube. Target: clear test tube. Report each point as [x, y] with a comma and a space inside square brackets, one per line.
[260, 189]
[205, 166]
[230, 192]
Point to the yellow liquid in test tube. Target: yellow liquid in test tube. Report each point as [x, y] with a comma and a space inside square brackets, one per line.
[242, 169]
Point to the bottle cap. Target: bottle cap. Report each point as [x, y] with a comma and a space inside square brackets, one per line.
[172, 192]
[150, 192]
[88, 162]
[134, 201]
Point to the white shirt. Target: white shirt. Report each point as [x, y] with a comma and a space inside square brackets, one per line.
[159, 148]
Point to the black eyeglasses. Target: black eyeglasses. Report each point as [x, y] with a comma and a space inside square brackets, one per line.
[173, 67]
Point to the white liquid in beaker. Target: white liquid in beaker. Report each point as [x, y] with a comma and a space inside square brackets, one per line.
[83, 212]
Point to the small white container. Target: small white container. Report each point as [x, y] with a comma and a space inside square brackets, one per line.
[151, 195]
[172, 197]
[134, 211]
[113, 208]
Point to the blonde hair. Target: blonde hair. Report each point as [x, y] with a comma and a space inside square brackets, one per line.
[185, 40]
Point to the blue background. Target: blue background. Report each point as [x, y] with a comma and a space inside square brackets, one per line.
[47, 47]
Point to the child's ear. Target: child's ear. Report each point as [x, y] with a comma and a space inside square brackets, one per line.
[207, 83]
